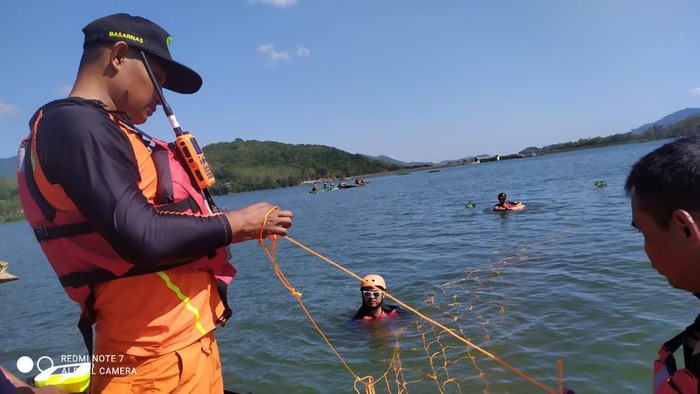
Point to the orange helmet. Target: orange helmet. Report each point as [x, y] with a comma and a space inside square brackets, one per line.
[373, 280]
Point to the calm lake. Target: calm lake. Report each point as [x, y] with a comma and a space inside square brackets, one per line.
[566, 279]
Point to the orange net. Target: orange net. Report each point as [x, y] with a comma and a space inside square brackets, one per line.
[431, 332]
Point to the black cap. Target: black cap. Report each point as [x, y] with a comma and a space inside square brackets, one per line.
[501, 195]
[140, 33]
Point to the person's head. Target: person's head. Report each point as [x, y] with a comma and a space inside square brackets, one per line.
[502, 197]
[372, 289]
[664, 187]
[111, 68]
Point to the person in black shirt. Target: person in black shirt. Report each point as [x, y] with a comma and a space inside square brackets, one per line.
[373, 307]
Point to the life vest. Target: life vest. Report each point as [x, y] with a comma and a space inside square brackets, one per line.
[390, 311]
[668, 378]
[385, 311]
[78, 254]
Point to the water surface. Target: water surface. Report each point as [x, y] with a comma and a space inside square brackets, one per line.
[565, 279]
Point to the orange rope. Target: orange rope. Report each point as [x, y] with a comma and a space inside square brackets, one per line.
[369, 386]
[271, 251]
[561, 366]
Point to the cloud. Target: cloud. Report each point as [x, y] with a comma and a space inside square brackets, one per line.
[269, 51]
[7, 109]
[303, 51]
[695, 91]
[276, 3]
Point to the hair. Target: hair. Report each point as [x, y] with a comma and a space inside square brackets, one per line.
[667, 179]
[91, 54]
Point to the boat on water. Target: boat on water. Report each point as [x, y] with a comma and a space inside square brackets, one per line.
[351, 185]
[4, 275]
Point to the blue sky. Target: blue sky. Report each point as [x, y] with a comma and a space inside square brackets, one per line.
[414, 80]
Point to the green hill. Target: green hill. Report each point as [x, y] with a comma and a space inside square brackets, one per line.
[251, 165]
[10, 207]
[243, 166]
[8, 167]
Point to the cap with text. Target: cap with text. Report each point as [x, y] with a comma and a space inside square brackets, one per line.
[141, 33]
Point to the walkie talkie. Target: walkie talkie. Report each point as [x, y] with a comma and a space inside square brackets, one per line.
[186, 144]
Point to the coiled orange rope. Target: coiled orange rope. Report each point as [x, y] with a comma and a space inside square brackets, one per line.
[369, 385]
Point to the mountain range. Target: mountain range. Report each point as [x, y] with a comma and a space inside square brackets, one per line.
[669, 119]
[8, 166]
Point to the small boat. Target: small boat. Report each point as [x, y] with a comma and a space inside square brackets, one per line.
[4, 275]
[351, 185]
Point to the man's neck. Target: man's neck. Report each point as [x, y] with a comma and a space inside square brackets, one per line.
[91, 88]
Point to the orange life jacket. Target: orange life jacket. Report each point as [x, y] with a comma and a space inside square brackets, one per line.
[79, 255]
[668, 379]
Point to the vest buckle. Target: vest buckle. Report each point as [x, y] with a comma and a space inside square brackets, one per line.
[41, 233]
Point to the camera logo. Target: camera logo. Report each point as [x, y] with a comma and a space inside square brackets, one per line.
[25, 364]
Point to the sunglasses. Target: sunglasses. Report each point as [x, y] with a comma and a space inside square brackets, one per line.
[372, 293]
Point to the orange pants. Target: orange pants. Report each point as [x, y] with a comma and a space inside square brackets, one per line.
[193, 369]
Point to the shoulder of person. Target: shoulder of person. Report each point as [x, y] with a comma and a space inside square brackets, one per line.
[72, 111]
[76, 121]
[359, 314]
[392, 308]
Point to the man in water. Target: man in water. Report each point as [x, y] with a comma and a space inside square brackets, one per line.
[504, 205]
[372, 289]
[665, 199]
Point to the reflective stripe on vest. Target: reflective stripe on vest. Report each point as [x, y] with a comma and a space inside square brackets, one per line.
[184, 299]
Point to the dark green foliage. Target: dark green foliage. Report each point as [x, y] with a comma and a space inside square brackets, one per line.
[252, 165]
[10, 207]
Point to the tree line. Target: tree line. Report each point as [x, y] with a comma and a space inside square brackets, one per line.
[10, 207]
[251, 165]
[684, 128]
[254, 165]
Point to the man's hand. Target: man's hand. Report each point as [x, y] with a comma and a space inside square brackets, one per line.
[246, 223]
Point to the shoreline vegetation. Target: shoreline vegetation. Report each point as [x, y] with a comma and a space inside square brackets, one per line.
[241, 166]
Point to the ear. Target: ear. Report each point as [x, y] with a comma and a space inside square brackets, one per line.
[117, 54]
[684, 223]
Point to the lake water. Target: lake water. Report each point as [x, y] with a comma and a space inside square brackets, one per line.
[565, 279]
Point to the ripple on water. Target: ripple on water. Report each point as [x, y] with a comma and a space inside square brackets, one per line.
[565, 279]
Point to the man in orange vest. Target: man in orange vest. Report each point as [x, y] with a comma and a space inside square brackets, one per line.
[127, 229]
[665, 196]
